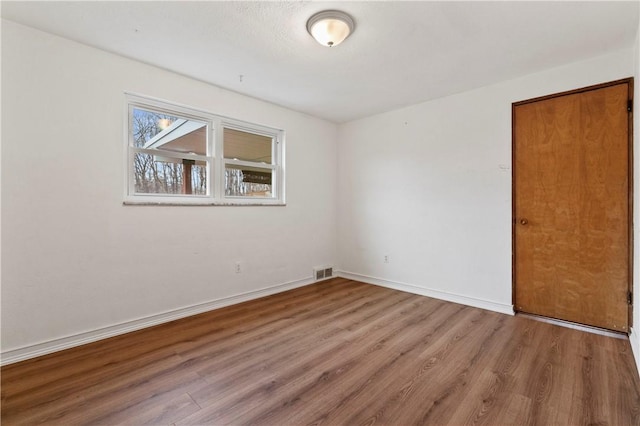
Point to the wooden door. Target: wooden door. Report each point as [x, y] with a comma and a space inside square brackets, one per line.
[572, 209]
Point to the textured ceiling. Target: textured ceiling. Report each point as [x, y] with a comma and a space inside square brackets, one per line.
[401, 53]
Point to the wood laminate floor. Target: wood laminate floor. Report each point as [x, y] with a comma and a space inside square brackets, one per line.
[338, 352]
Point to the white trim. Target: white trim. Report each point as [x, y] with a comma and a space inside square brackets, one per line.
[253, 164]
[173, 154]
[634, 340]
[55, 345]
[436, 294]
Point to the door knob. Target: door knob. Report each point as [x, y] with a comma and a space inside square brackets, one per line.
[523, 221]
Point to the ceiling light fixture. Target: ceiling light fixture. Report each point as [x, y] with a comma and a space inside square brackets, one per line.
[330, 27]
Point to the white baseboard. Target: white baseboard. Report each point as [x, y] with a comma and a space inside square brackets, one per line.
[55, 345]
[634, 340]
[436, 294]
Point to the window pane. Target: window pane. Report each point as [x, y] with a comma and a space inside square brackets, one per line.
[164, 175]
[240, 181]
[155, 130]
[247, 146]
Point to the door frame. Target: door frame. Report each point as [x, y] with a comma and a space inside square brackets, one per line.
[630, 175]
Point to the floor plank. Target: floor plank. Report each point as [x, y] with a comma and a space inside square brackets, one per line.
[336, 352]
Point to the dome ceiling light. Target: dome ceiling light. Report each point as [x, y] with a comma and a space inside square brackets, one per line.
[330, 27]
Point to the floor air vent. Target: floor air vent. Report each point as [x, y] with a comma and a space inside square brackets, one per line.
[322, 273]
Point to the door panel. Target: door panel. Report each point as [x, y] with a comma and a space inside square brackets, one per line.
[571, 206]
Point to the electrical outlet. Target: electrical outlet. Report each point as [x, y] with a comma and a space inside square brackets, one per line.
[386, 258]
[238, 268]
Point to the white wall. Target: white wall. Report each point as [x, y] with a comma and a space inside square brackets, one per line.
[75, 259]
[430, 186]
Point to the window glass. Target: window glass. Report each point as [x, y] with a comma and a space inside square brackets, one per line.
[165, 175]
[156, 130]
[247, 146]
[244, 181]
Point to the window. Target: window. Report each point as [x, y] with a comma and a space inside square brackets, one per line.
[171, 153]
[248, 162]
[177, 155]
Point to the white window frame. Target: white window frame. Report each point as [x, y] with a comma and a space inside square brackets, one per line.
[215, 158]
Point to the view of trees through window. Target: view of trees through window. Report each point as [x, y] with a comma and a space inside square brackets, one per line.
[158, 166]
[184, 156]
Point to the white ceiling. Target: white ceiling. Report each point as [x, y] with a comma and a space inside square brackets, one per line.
[401, 53]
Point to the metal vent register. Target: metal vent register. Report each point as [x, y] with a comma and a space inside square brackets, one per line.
[322, 273]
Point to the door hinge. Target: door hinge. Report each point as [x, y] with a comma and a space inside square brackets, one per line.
[630, 105]
[630, 298]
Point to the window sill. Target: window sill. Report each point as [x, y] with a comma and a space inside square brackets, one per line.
[203, 204]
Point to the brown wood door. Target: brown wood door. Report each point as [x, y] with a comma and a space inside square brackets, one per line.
[571, 183]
